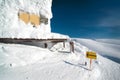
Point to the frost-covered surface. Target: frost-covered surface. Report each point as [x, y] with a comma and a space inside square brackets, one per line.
[23, 62]
[12, 27]
[106, 47]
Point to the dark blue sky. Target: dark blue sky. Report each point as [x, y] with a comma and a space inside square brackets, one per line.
[86, 18]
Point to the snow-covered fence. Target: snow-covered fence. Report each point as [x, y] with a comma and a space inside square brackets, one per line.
[44, 43]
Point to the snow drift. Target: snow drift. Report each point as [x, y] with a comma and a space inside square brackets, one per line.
[109, 48]
[24, 62]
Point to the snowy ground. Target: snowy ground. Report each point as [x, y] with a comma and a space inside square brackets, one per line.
[23, 62]
[109, 48]
[26, 62]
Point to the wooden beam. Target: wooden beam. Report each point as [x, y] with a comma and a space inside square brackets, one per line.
[30, 40]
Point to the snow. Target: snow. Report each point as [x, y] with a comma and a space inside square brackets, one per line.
[107, 47]
[30, 62]
[25, 62]
[13, 27]
[110, 41]
[16, 54]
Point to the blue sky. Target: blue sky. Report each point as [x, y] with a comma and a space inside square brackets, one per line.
[86, 18]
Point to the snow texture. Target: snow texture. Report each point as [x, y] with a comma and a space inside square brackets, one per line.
[12, 27]
[109, 48]
[25, 62]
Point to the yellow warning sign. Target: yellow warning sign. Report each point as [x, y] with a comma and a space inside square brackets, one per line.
[91, 55]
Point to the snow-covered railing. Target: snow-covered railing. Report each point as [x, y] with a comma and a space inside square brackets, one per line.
[30, 40]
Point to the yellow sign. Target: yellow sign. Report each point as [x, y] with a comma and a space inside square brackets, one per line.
[24, 17]
[91, 55]
[32, 18]
[35, 19]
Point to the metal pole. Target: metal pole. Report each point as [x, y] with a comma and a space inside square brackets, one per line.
[90, 63]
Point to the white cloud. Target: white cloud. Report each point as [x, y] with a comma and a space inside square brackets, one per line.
[112, 19]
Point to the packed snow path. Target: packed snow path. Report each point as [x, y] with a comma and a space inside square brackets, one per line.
[21, 62]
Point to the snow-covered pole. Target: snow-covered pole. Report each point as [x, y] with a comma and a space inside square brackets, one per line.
[64, 44]
[71, 46]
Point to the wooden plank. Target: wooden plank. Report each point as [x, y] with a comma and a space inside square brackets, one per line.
[29, 40]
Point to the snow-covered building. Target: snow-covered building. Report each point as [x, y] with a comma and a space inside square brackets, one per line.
[25, 19]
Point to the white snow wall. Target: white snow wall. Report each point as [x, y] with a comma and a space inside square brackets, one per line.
[12, 27]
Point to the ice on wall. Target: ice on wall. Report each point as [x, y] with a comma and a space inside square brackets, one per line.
[12, 27]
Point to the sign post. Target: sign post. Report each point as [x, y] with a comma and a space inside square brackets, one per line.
[71, 46]
[91, 55]
[90, 63]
